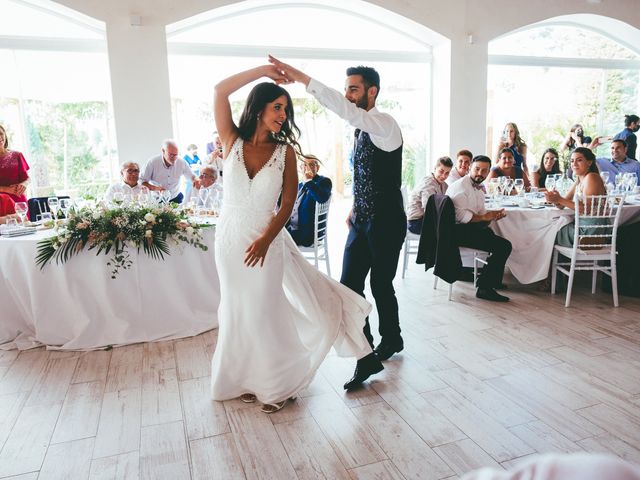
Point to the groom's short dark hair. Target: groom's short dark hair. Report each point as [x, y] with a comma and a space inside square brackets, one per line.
[369, 75]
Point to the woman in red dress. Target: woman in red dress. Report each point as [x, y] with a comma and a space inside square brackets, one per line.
[13, 170]
[7, 208]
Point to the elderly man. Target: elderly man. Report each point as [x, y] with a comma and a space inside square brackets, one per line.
[461, 167]
[130, 185]
[472, 227]
[619, 162]
[208, 177]
[312, 189]
[163, 172]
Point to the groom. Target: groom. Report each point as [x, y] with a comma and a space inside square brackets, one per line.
[377, 222]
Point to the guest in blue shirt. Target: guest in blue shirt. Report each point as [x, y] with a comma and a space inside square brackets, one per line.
[632, 125]
[619, 162]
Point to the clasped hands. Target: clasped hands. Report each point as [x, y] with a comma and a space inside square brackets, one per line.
[495, 214]
[15, 189]
[284, 74]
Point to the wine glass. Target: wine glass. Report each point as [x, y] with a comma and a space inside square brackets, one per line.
[550, 183]
[519, 185]
[605, 177]
[203, 194]
[508, 186]
[65, 204]
[21, 209]
[12, 223]
[619, 181]
[118, 198]
[53, 206]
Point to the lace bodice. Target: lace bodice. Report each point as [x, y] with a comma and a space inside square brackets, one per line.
[259, 194]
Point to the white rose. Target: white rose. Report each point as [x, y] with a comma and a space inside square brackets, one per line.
[55, 246]
[150, 217]
[96, 214]
[148, 234]
[189, 230]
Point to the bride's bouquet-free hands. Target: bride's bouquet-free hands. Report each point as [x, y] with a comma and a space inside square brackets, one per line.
[257, 251]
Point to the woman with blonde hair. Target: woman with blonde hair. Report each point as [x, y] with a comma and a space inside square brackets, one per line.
[511, 139]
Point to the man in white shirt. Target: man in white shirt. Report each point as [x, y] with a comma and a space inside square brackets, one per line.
[208, 177]
[461, 167]
[472, 227]
[130, 185]
[165, 171]
[377, 222]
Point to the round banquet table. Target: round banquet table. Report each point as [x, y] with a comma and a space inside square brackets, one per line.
[532, 233]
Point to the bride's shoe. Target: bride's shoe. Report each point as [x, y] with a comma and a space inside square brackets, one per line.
[273, 407]
[248, 397]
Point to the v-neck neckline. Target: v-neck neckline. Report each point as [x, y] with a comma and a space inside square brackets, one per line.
[244, 164]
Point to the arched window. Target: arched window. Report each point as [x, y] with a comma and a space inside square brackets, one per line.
[323, 39]
[568, 70]
[55, 96]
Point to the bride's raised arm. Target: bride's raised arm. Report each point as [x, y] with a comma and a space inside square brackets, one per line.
[228, 130]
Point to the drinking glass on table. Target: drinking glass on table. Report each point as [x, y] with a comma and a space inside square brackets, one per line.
[12, 223]
[550, 183]
[65, 205]
[21, 210]
[631, 181]
[508, 186]
[53, 206]
[203, 194]
[605, 177]
[518, 183]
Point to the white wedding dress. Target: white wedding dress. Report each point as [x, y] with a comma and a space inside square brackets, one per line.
[276, 322]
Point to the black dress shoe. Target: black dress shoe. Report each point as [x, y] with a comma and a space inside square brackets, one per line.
[490, 294]
[385, 350]
[365, 367]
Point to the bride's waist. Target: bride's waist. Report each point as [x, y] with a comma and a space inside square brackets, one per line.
[246, 210]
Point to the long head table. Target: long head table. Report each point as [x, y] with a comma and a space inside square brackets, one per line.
[532, 232]
[79, 306]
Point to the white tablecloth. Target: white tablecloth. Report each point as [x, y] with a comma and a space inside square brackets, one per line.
[79, 306]
[532, 234]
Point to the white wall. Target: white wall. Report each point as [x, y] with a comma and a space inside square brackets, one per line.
[140, 78]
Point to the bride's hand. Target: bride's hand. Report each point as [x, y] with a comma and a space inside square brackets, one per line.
[257, 252]
[272, 72]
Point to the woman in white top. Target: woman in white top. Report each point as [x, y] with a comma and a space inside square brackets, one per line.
[434, 183]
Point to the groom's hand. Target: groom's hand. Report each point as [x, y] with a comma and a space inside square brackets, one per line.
[293, 74]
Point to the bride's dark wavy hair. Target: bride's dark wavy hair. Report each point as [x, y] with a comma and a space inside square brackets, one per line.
[257, 100]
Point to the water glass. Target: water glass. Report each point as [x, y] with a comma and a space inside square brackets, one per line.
[605, 177]
[550, 183]
[519, 185]
[53, 206]
[21, 210]
[12, 223]
[65, 204]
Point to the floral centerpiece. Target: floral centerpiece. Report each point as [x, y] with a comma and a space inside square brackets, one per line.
[115, 230]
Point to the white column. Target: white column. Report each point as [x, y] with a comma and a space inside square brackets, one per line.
[468, 105]
[140, 88]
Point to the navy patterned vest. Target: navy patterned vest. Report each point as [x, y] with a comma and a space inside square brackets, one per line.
[377, 177]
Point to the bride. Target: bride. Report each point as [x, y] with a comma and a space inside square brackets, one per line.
[278, 315]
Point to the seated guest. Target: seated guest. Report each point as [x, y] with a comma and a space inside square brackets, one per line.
[472, 227]
[208, 177]
[549, 165]
[588, 181]
[130, 185]
[434, 183]
[511, 139]
[7, 208]
[312, 189]
[507, 168]
[165, 171]
[619, 162]
[215, 157]
[463, 163]
[631, 125]
[13, 170]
